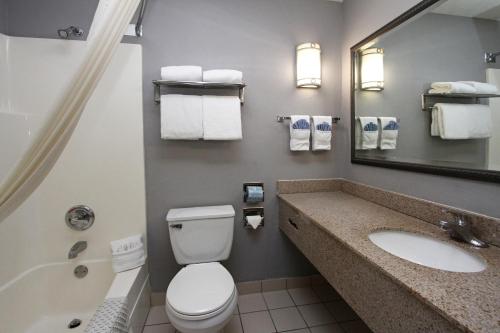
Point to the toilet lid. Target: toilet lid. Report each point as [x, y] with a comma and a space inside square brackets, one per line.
[199, 289]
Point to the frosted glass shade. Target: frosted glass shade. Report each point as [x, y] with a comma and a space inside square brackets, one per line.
[372, 69]
[309, 65]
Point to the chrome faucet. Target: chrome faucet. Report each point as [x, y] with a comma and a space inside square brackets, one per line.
[77, 249]
[460, 229]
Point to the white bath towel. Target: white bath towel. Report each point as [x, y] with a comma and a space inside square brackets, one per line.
[389, 130]
[321, 132]
[482, 88]
[463, 121]
[451, 88]
[369, 132]
[223, 75]
[300, 132]
[126, 245]
[181, 73]
[221, 118]
[181, 117]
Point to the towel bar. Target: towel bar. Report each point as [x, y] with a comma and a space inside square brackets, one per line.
[475, 98]
[199, 85]
[281, 119]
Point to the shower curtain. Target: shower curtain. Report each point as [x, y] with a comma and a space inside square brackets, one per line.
[38, 160]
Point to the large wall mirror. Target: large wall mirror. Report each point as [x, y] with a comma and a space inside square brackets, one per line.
[425, 91]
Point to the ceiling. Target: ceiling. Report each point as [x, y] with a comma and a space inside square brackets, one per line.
[486, 9]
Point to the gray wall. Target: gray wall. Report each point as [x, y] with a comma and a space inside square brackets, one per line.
[257, 37]
[432, 48]
[3, 17]
[478, 196]
[36, 18]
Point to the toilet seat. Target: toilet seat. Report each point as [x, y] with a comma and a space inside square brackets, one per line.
[200, 291]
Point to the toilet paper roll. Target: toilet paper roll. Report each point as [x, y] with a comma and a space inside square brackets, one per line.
[254, 220]
[255, 194]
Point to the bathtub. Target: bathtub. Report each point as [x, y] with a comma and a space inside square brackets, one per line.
[45, 298]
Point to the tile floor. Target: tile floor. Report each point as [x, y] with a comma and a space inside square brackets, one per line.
[316, 309]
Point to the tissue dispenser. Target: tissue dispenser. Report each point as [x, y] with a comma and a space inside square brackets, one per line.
[253, 215]
[253, 192]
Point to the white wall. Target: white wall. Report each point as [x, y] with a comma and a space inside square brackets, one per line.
[102, 165]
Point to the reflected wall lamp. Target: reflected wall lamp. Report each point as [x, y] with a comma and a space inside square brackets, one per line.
[372, 69]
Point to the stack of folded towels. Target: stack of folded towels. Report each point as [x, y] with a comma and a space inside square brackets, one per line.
[463, 87]
[190, 117]
[128, 253]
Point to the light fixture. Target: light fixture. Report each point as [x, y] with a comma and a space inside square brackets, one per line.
[372, 69]
[309, 65]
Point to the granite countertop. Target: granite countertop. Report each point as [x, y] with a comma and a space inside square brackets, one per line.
[469, 300]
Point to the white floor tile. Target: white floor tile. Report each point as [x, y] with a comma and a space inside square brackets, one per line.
[234, 326]
[287, 319]
[251, 303]
[157, 315]
[257, 322]
[278, 299]
[316, 314]
[303, 296]
[165, 328]
[333, 328]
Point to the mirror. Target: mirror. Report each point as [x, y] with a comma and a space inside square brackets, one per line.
[424, 93]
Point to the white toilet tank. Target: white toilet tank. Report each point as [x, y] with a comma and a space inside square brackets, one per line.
[201, 234]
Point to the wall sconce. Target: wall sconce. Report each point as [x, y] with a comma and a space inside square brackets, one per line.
[372, 69]
[309, 65]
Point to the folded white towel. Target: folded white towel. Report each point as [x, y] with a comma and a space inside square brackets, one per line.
[369, 132]
[221, 118]
[128, 253]
[389, 129]
[321, 132]
[181, 73]
[223, 75]
[181, 117]
[482, 88]
[451, 88]
[463, 121]
[300, 132]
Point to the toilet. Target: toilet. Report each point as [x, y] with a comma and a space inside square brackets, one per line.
[202, 296]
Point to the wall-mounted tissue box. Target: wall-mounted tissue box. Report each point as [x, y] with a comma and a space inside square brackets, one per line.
[253, 192]
[253, 217]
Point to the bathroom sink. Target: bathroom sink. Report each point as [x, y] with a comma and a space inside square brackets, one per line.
[427, 251]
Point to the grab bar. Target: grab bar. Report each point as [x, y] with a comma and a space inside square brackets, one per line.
[140, 18]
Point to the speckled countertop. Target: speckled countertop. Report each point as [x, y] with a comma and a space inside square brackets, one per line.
[469, 300]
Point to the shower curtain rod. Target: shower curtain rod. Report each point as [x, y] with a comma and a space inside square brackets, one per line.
[140, 17]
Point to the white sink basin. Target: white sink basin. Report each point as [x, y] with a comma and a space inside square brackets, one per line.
[427, 251]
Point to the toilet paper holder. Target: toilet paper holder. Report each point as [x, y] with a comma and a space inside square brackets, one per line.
[250, 211]
[245, 190]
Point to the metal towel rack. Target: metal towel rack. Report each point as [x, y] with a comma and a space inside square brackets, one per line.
[200, 85]
[281, 119]
[475, 98]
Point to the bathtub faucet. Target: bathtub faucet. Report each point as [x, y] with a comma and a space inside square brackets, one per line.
[77, 249]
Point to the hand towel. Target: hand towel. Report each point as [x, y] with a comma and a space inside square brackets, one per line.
[221, 118]
[451, 88]
[223, 75]
[181, 73]
[321, 132]
[389, 129]
[127, 253]
[369, 132]
[300, 132]
[434, 122]
[482, 88]
[463, 121]
[181, 117]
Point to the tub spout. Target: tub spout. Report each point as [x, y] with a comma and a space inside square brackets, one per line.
[76, 249]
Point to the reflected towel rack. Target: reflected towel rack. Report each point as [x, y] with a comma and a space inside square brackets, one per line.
[462, 97]
[200, 85]
[281, 119]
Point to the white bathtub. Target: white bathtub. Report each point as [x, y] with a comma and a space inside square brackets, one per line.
[46, 298]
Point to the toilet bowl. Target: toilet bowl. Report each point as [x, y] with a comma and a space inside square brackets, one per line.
[202, 296]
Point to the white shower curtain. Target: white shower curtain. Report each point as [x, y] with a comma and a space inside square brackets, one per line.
[45, 150]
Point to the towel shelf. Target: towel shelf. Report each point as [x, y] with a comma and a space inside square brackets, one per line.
[199, 85]
[465, 97]
[281, 119]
